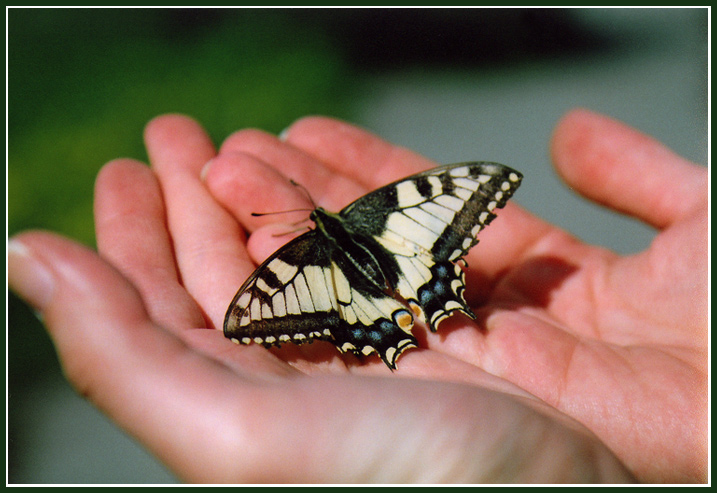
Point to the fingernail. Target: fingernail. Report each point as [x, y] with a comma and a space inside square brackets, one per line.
[28, 276]
[284, 134]
[205, 169]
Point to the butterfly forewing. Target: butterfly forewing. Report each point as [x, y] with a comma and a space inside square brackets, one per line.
[361, 275]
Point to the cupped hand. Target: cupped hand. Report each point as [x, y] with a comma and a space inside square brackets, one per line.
[569, 337]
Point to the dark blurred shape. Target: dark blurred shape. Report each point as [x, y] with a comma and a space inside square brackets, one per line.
[394, 38]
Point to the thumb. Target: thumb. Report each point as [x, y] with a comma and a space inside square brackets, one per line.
[95, 317]
[625, 170]
[112, 353]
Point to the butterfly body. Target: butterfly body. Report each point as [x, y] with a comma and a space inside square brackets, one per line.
[351, 248]
[361, 277]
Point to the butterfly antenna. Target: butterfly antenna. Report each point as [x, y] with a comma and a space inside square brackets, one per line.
[308, 195]
[259, 214]
[294, 225]
[303, 189]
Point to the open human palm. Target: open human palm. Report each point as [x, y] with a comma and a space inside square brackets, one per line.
[576, 354]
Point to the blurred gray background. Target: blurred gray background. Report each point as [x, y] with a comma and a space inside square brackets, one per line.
[453, 84]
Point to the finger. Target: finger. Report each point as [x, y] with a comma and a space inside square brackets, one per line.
[132, 235]
[354, 152]
[245, 185]
[328, 188]
[208, 242]
[96, 319]
[615, 165]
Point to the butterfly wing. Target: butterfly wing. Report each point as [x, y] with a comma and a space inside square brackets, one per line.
[308, 291]
[427, 222]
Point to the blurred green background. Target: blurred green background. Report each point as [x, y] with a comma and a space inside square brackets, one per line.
[84, 82]
[453, 84]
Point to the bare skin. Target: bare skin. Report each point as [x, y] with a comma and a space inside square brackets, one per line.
[582, 365]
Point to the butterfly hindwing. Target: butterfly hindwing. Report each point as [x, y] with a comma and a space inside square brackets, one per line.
[358, 279]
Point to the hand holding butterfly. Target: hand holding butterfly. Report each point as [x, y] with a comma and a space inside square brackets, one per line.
[566, 333]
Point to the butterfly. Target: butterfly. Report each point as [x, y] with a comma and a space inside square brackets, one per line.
[362, 276]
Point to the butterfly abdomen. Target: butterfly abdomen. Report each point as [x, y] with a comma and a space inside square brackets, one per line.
[358, 251]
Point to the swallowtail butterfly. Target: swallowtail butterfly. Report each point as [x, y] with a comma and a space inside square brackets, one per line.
[361, 276]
